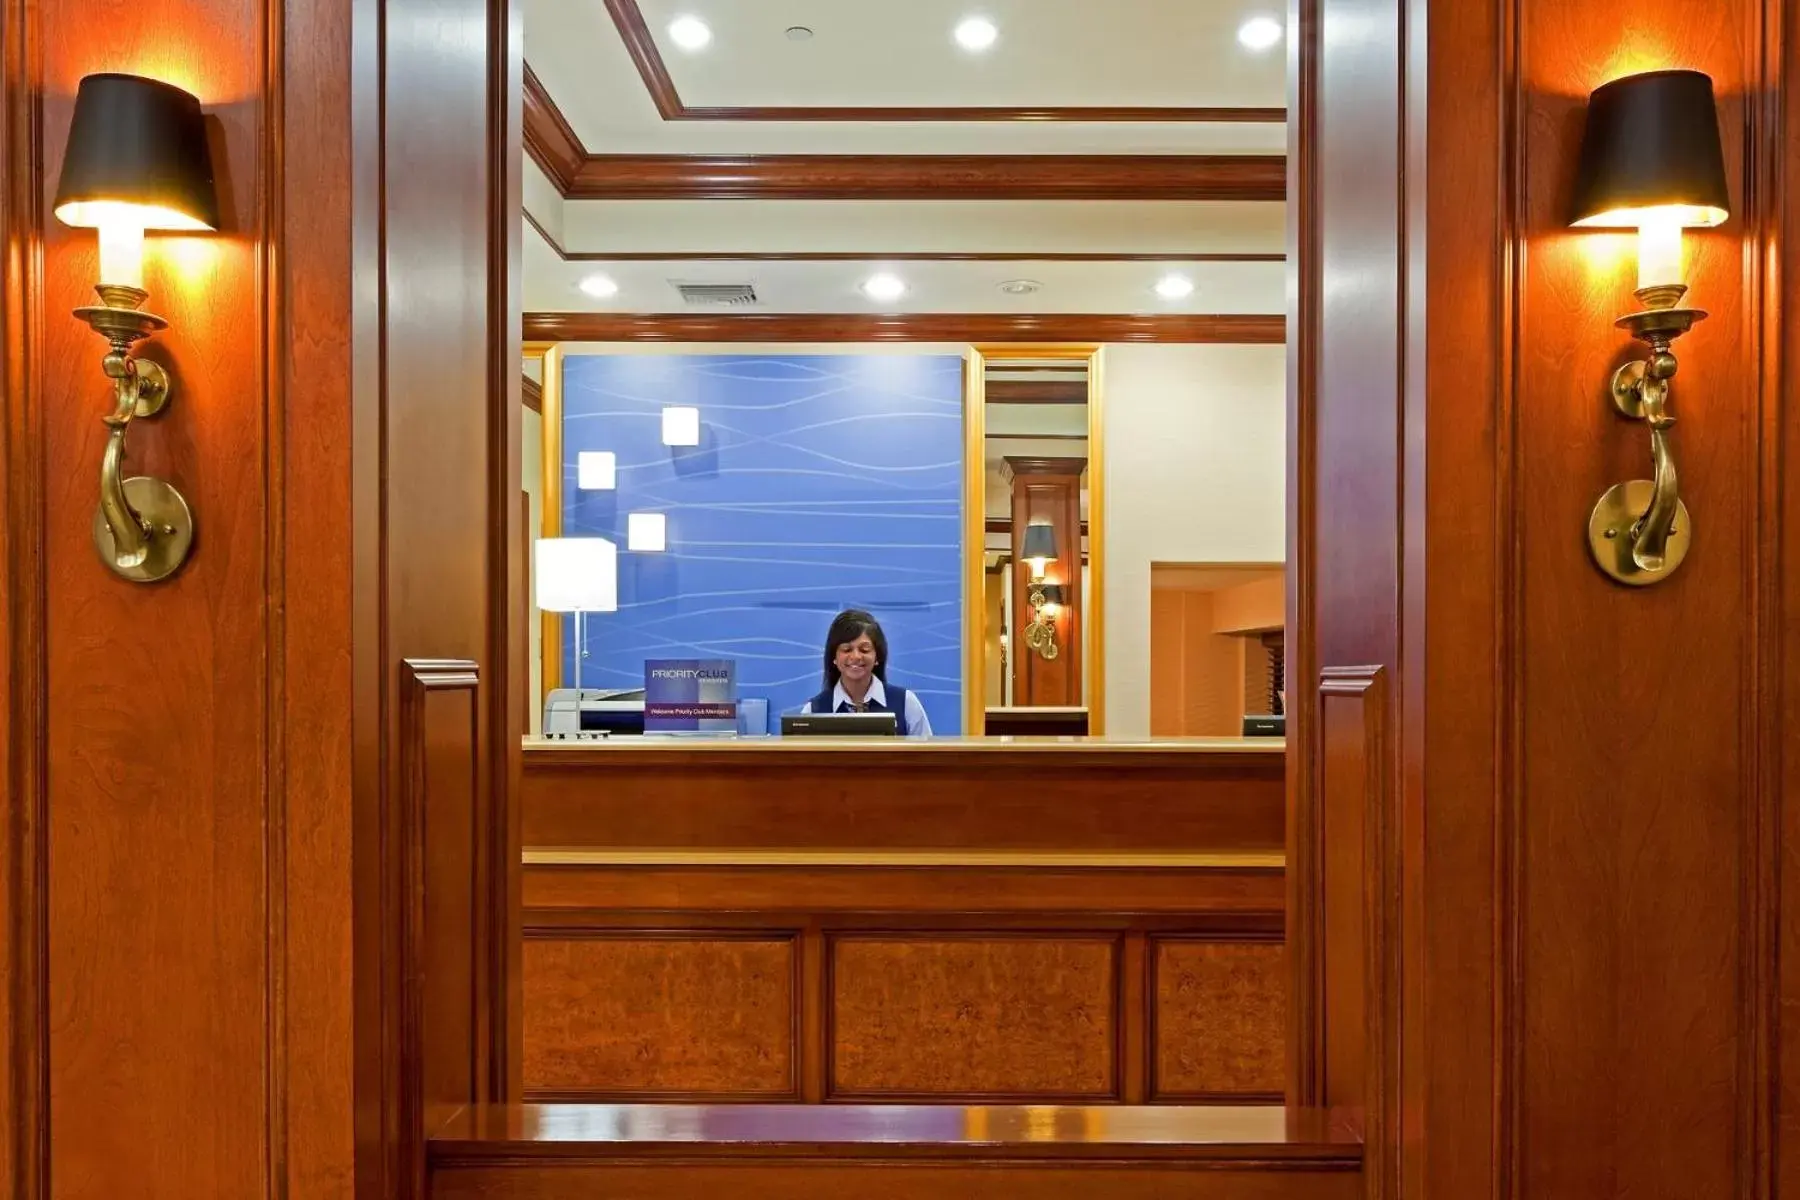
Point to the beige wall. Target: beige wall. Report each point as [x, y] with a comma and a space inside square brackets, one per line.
[1195, 471]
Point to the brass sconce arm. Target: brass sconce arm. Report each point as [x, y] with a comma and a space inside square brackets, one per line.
[1640, 530]
[143, 528]
[1040, 634]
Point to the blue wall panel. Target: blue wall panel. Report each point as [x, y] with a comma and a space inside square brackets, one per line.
[821, 482]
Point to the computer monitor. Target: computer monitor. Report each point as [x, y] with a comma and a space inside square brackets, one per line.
[862, 724]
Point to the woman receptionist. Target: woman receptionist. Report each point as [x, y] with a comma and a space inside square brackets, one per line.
[856, 676]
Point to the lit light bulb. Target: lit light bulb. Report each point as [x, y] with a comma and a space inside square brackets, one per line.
[1659, 249]
[122, 254]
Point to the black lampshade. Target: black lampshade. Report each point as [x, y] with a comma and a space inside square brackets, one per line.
[140, 143]
[1040, 542]
[1652, 141]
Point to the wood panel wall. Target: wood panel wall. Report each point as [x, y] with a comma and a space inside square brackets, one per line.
[198, 885]
[1570, 796]
[834, 981]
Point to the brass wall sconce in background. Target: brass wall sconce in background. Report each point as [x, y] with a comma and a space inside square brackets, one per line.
[137, 160]
[1039, 551]
[1650, 161]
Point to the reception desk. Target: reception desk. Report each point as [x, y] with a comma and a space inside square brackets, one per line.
[947, 921]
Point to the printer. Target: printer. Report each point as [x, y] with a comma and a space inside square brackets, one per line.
[588, 714]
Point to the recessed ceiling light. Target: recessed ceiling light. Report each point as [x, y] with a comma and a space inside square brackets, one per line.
[884, 287]
[798, 33]
[976, 33]
[1174, 287]
[599, 287]
[1021, 287]
[690, 33]
[1260, 33]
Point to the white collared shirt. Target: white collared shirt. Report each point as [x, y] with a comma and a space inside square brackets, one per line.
[917, 723]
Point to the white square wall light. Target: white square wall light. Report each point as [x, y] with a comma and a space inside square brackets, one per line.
[646, 532]
[596, 471]
[681, 426]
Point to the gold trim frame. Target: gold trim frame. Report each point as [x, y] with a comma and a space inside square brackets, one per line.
[975, 525]
[549, 356]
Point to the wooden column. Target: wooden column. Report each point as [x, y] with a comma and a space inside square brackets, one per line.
[1047, 490]
[203, 853]
[1545, 909]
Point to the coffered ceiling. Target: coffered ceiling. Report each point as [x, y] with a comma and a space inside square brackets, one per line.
[1089, 152]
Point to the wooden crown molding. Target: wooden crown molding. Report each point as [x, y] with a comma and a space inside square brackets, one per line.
[1255, 177]
[1015, 465]
[1234, 328]
[641, 45]
[549, 138]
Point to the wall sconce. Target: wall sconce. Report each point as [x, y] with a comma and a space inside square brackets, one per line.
[137, 159]
[1039, 550]
[1650, 161]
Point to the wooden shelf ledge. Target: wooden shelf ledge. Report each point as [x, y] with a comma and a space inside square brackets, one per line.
[1238, 1135]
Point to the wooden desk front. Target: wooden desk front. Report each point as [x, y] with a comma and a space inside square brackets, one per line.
[949, 921]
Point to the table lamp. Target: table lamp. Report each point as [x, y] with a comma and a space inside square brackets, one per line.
[578, 575]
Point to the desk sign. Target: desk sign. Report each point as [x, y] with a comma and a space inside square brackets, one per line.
[690, 695]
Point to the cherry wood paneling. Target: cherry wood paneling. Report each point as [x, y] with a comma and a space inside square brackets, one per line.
[765, 1152]
[641, 44]
[928, 177]
[1572, 958]
[1244, 329]
[1035, 391]
[1218, 1020]
[445, 987]
[24, 769]
[653, 1015]
[157, 739]
[195, 769]
[1236, 897]
[1022, 1017]
[910, 796]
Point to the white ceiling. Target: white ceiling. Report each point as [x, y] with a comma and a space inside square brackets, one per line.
[899, 52]
[1162, 53]
[582, 62]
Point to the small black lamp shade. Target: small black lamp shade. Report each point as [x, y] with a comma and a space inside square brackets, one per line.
[137, 145]
[1652, 141]
[1040, 542]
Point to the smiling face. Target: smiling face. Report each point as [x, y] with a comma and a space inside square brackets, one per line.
[856, 661]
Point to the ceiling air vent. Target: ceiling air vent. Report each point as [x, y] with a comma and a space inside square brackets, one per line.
[717, 295]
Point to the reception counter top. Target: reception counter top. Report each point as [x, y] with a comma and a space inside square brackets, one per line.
[990, 794]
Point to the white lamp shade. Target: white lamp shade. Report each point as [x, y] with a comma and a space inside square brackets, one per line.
[646, 532]
[576, 574]
[681, 426]
[596, 471]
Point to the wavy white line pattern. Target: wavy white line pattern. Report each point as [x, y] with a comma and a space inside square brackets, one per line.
[822, 482]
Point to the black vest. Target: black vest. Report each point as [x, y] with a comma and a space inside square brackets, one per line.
[896, 704]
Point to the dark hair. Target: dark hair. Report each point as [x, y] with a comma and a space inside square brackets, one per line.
[847, 626]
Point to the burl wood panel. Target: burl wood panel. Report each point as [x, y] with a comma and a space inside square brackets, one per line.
[1220, 1019]
[647, 1015]
[1018, 1016]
